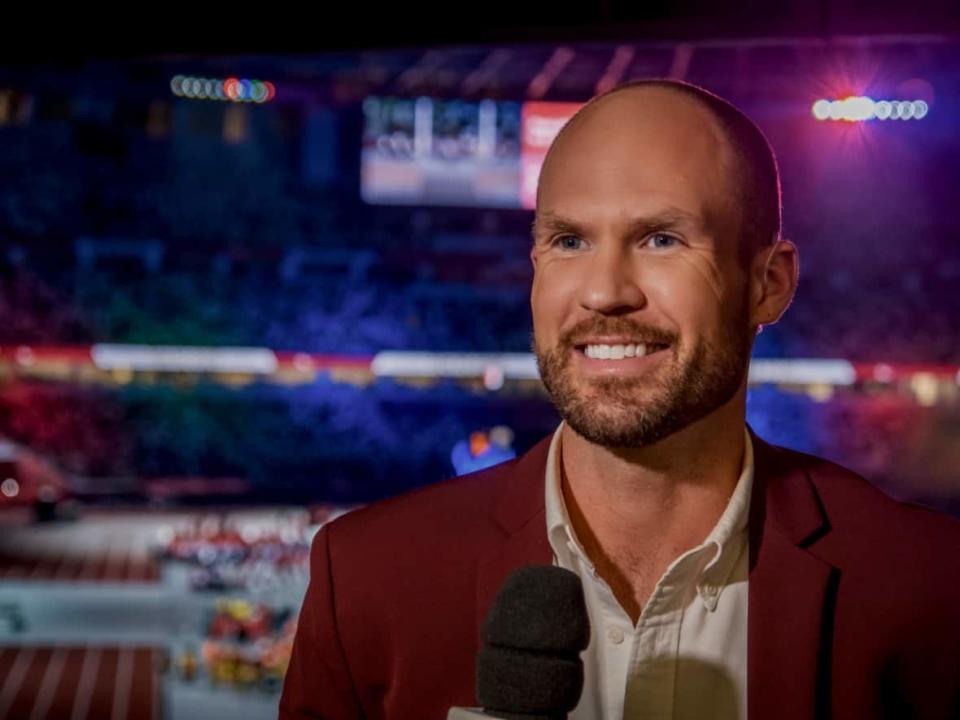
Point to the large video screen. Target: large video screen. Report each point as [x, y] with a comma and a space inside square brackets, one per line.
[441, 152]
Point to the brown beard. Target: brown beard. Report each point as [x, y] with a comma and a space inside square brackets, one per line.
[620, 412]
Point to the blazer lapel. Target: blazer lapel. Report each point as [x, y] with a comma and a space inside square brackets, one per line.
[791, 594]
[521, 516]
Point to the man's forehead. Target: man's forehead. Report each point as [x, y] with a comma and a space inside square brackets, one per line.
[648, 143]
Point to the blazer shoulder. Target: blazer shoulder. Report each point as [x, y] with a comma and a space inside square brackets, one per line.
[865, 516]
[467, 512]
[462, 505]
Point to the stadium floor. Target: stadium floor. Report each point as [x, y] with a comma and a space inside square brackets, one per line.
[89, 621]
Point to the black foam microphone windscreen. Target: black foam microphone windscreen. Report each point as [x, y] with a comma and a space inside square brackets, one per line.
[529, 666]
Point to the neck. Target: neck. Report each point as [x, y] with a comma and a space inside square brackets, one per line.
[668, 495]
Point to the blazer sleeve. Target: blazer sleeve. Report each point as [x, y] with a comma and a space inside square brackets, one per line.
[318, 682]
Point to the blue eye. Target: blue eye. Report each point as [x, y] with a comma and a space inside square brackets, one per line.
[568, 242]
[661, 240]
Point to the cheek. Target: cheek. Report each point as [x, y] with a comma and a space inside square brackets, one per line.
[686, 294]
[552, 296]
[704, 272]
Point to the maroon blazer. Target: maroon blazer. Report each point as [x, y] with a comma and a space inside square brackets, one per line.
[853, 597]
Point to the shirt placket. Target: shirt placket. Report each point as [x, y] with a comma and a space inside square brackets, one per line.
[651, 674]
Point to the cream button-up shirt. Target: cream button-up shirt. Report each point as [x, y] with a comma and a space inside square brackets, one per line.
[686, 658]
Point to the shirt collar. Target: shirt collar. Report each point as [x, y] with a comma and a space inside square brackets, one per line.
[723, 544]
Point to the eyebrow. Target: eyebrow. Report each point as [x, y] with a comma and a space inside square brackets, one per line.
[666, 219]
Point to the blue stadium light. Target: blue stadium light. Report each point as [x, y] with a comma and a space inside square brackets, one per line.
[864, 108]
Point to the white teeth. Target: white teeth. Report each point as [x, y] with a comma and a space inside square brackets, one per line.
[615, 352]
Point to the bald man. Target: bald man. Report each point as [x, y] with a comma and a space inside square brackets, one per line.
[723, 577]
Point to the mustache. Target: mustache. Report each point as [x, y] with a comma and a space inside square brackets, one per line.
[579, 333]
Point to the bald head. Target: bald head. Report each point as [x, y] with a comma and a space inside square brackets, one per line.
[667, 116]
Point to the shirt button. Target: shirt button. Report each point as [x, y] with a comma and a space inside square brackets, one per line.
[615, 635]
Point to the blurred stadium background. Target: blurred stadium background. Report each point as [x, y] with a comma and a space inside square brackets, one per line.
[244, 290]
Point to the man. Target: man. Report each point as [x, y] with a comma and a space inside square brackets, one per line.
[724, 577]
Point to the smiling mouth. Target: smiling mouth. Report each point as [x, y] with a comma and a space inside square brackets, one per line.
[620, 351]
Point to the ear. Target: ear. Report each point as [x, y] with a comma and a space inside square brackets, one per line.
[774, 273]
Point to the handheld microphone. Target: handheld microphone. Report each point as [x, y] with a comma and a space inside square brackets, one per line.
[529, 666]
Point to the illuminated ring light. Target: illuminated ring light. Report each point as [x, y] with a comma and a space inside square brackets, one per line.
[862, 109]
[272, 92]
[176, 85]
[245, 89]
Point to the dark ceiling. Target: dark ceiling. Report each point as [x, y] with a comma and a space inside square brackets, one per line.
[163, 29]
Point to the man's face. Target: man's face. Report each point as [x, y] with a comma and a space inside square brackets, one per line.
[639, 300]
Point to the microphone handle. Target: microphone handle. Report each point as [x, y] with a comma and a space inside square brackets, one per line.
[461, 713]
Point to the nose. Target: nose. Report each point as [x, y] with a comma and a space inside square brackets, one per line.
[610, 284]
